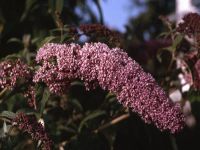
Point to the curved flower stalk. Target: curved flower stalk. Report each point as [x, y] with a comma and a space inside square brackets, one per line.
[30, 125]
[111, 69]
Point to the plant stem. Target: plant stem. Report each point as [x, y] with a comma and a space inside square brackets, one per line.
[2, 92]
[112, 122]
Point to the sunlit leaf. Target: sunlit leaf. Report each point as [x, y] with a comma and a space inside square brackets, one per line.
[48, 39]
[5, 130]
[15, 40]
[13, 56]
[177, 41]
[7, 114]
[79, 83]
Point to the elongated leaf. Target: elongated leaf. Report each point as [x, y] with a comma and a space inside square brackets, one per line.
[13, 56]
[48, 39]
[67, 129]
[76, 83]
[193, 96]
[160, 51]
[7, 114]
[5, 129]
[90, 117]
[177, 41]
[164, 34]
[44, 100]
[28, 6]
[16, 40]
[51, 5]
[39, 92]
[28, 111]
[76, 104]
[59, 5]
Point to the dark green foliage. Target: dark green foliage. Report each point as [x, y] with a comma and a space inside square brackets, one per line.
[80, 119]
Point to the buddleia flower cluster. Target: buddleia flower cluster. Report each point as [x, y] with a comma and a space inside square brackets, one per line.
[30, 125]
[190, 24]
[113, 70]
[190, 27]
[12, 71]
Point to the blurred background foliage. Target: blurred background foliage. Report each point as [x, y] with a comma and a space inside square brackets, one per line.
[82, 120]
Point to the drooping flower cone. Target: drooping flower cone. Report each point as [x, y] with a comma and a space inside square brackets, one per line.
[111, 69]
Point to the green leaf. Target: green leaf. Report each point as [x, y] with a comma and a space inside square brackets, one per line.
[76, 104]
[67, 129]
[44, 100]
[7, 114]
[171, 48]
[13, 56]
[39, 92]
[67, 37]
[76, 83]
[28, 6]
[58, 30]
[2, 92]
[91, 116]
[164, 34]
[48, 39]
[193, 96]
[51, 5]
[59, 5]
[5, 128]
[110, 95]
[28, 111]
[16, 40]
[160, 51]
[177, 41]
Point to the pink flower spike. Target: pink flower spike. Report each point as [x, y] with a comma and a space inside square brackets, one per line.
[96, 64]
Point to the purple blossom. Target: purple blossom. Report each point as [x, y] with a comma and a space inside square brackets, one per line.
[111, 69]
[190, 24]
[11, 72]
[30, 94]
[197, 74]
[30, 125]
[59, 66]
